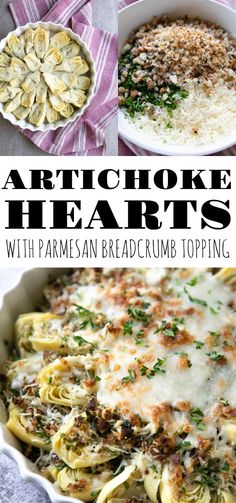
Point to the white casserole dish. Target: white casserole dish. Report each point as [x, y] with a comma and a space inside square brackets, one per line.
[141, 12]
[53, 27]
[23, 298]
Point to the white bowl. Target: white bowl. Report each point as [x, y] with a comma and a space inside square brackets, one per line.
[53, 27]
[23, 298]
[141, 12]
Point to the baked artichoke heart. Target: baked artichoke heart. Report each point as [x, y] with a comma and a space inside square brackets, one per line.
[83, 484]
[29, 40]
[86, 449]
[71, 65]
[37, 114]
[41, 92]
[51, 114]
[41, 42]
[4, 60]
[70, 50]
[16, 46]
[32, 62]
[60, 40]
[13, 104]
[55, 85]
[83, 83]
[27, 99]
[65, 109]
[74, 96]
[31, 81]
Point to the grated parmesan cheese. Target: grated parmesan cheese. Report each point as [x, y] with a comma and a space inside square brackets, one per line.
[199, 119]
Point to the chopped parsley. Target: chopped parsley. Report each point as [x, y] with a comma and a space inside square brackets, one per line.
[215, 336]
[88, 318]
[201, 302]
[138, 314]
[185, 445]
[50, 380]
[193, 281]
[156, 369]
[81, 341]
[128, 327]
[97, 378]
[199, 344]
[169, 329]
[215, 357]
[197, 416]
[130, 377]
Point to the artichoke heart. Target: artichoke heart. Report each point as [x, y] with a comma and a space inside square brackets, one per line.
[4, 94]
[20, 425]
[229, 430]
[83, 83]
[60, 40]
[71, 65]
[32, 62]
[41, 92]
[84, 69]
[55, 85]
[86, 449]
[224, 497]
[31, 81]
[69, 79]
[71, 50]
[41, 42]
[118, 483]
[52, 58]
[13, 104]
[37, 114]
[65, 109]
[51, 114]
[5, 75]
[74, 96]
[29, 40]
[27, 99]
[18, 67]
[63, 382]
[195, 493]
[4, 60]
[21, 112]
[82, 484]
[16, 46]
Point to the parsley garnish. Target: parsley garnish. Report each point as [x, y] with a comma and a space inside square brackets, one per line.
[199, 344]
[88, 318]
[130, 377]
[168, 328]
[80, 340]
[216, 337]
[193, 281]
[50, 380]
[197, 417]
[201, 302]
[128, 327]
[157, 368]
[138, 314]
[97, 378]
[185, 445]
[214, 356]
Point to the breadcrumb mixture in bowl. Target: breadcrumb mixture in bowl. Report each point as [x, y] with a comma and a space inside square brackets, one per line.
[177, 81]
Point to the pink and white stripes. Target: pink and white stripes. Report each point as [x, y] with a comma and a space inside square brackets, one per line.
[128, 148]
[85, 136]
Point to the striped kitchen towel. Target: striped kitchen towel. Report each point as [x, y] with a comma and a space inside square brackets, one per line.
[128, 148]
[85, 136]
